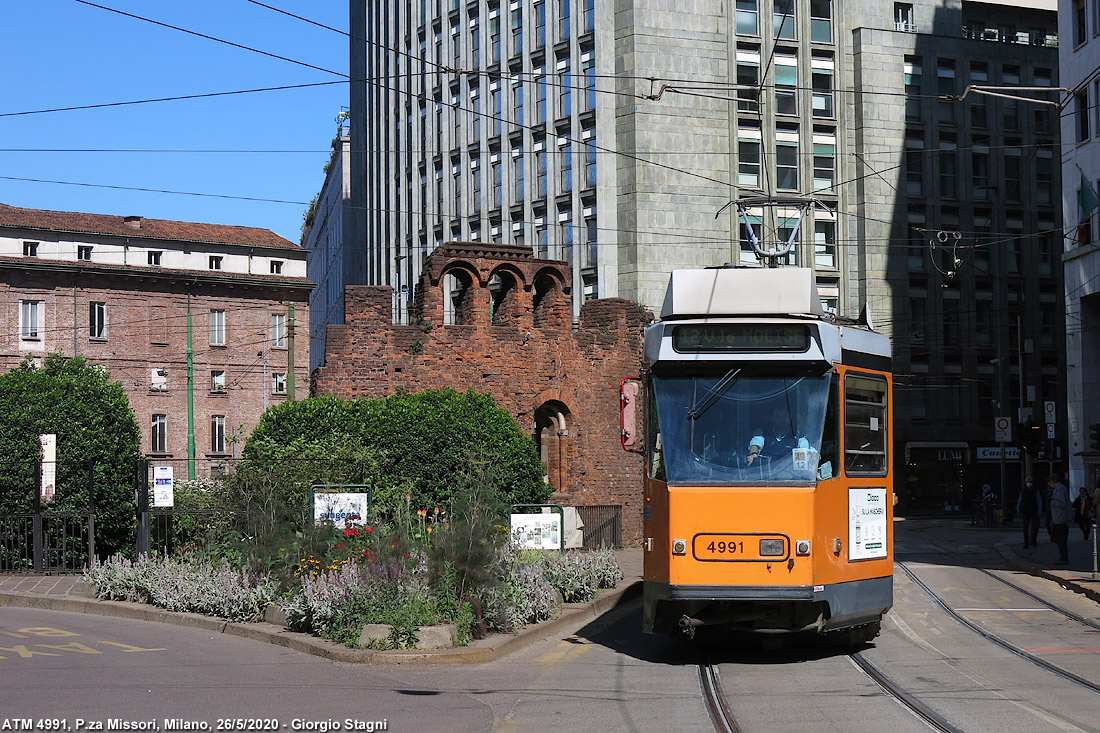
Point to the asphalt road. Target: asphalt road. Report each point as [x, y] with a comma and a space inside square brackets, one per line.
[603, 675]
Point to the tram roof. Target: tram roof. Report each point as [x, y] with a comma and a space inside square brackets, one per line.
[741, 291]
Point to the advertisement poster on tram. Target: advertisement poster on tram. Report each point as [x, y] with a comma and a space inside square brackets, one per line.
[866, 524]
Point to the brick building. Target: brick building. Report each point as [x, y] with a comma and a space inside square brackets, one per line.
[119, 291]
[496, 319]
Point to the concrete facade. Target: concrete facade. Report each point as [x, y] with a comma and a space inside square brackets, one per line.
[1079, 25]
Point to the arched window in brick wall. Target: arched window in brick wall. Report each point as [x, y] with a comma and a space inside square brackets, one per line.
[456, 297]
[502, 290]
[555, 443]
[547, 299]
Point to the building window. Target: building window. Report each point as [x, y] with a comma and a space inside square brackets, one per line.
[825, 243]
[747, 18]
[1081, 100]
[1080, 34]
[217, 380]
[159, 434]
[783, 18]
[786, 84]
[566, 96]
[590, 164]
[540, 25]
[822, 100]
[540, 173]
[517, 174]
[215, 262]
[30, 249]
[748, 162]
[217, 328]
[217, 433]
[748, 82]
[84, 253]
[276, 267]
[824, 166]
[588, 69]
[786, 164]
[903, 18]
[278, 383]
[540, 100]
[30, 319]
[945, 89]
[821, 21]
[948, 176]
[278, 330]
[517, 103]
[563, 20]
[566, 168]
[914, 81]
[97, 320]
[154, 259]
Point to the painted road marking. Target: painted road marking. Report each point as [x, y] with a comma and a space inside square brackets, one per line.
[24, 651]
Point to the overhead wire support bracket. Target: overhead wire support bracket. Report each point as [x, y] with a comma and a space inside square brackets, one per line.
[771, 256]
[1002, 93]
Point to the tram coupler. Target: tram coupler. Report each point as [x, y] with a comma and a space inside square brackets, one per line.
[688, 626]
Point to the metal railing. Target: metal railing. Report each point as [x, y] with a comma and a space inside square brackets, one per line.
[46, 542]
[603, 525]
[170, 531]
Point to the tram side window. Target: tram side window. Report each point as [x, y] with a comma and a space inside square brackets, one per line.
[655, 454]
[827, 463]
[865, 425]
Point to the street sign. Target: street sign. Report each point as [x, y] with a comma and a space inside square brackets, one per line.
[1002, 429]
[1049, 413]
[1050, 430]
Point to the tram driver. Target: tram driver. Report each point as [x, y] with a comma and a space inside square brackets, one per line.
[775, 438]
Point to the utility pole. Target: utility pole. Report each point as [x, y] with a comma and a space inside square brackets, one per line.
[190, 398]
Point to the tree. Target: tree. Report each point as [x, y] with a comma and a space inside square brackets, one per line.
[89, 413]
[422, 443]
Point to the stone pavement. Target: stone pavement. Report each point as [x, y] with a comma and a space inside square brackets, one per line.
[1041, 560]
[69, 592]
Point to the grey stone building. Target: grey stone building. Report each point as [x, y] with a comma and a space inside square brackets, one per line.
[614, 135]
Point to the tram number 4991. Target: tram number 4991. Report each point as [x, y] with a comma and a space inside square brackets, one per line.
[726, 547]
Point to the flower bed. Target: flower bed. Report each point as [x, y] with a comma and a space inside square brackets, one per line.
[406, 575]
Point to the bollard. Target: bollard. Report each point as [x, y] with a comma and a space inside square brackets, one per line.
[1095, 574]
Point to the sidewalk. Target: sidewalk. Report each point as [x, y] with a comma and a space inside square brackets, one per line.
[70, 593]
[1040, 560]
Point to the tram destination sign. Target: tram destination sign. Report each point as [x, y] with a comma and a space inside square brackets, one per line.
[747, 337]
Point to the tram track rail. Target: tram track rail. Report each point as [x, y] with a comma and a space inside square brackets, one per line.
[902, 696]
[1003, 643]
[714, 698]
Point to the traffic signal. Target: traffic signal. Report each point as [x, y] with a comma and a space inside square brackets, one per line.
[1030, 441]
[1094, 437]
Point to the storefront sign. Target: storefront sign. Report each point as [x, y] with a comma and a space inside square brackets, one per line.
[993, 453]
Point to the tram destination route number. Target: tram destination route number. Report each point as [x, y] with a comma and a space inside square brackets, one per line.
[740, 337]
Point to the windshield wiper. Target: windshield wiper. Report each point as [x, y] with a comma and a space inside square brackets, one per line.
[723, 384]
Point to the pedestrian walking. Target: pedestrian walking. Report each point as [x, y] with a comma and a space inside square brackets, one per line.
[1029, 506]
[1082, 511]
[1061, 512]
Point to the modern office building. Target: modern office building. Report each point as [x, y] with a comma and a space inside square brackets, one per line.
[1079, 63]
[326, 223]
[616, 136]
[168, 308]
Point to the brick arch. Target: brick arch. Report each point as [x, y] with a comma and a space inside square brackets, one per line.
[554, 435]
[550, 308]
[509, 301]
[463, 308]
[515, 271]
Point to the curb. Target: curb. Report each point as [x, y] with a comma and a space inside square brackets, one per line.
[1087, 587]
[485, 650]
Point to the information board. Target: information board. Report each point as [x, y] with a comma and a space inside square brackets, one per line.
[163, 494]
[537, 531]
[341, 509]
[866, 524]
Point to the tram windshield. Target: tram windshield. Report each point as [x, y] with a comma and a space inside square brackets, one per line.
[750, 424]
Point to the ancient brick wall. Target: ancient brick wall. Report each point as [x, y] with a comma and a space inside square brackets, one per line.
[501, 324]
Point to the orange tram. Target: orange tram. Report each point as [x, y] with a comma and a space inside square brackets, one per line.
[768, 503]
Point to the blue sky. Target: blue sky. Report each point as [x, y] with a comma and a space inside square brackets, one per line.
[62, 53]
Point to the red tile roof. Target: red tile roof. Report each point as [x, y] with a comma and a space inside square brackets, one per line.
[135, 226]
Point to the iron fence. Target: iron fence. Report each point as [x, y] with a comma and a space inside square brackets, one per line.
[170, 531]
[46, 541]
[603, 525]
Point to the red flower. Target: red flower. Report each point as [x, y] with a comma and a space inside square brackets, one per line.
[367, 529]
[351, 532]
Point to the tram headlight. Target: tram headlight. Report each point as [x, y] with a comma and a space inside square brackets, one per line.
[802, 547]
[772, 548]
[679, 547]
